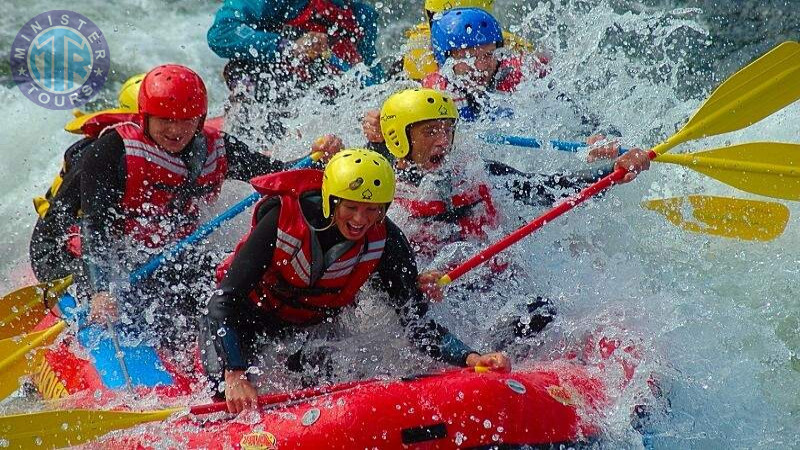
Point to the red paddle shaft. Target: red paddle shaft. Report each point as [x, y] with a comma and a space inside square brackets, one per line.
[271, 399]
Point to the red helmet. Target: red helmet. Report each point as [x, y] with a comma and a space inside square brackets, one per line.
[173, 91]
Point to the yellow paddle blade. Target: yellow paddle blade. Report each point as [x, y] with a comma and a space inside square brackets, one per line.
[19, 355]
[759, 89]
[22, 309]
[748, 220]
[771, 169]
[64, 428]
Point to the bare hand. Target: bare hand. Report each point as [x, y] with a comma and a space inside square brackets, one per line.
[239, 393]
[329, 145]
[311, 46]
[428, 284]
[634, 161]
[607, 150]
[372, 126]
[494, 361]
[102, 307]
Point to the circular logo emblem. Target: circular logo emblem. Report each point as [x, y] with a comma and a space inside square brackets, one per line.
[60, 59]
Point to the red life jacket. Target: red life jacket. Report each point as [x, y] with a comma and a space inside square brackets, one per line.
[471, 210]
[156, 214]
[297, 287]
[339, 23]
[94, 126]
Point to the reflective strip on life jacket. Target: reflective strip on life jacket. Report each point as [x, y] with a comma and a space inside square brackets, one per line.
[155, 180]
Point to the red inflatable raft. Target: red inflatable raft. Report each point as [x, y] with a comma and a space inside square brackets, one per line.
[543, 404]
[538, 404]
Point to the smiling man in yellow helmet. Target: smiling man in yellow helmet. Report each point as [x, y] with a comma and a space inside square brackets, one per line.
[418, 61]
[317, 238]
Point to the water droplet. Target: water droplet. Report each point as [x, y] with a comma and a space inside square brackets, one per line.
[487, 424]
[221, 332]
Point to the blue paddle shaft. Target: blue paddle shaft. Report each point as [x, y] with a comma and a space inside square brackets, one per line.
[529, 142]
[203, 231]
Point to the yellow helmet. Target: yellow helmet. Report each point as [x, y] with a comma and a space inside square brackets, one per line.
[129, 94]
[408, 107]
[437, 6]
[359, 175]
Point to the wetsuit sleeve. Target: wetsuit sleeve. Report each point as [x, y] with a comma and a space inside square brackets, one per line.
[242, 29]
[543, 190]
[102, 186]
[397, 275]
[229, 309]
[244, 164]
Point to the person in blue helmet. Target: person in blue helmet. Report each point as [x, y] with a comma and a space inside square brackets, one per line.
[469, 47]
[465, 41]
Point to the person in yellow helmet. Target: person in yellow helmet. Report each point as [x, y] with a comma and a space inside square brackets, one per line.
[316, 239]
[448, 202]
[419, 62]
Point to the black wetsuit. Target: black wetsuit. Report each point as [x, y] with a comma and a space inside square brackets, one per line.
[50, 258]
[234, 324]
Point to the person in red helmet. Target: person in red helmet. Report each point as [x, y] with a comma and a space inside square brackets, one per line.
[142, 186]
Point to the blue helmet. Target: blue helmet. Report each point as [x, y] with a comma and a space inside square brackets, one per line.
[463, 28]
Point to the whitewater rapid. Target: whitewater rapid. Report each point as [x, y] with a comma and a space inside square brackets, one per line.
[720, 318]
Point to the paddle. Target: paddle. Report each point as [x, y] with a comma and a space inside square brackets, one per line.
[530, 142]
[63, 428]
[773, 168]
[24, 308]
[721, 216]
[743, 166]
[16, 362]
[770, 169]
[753, 93]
